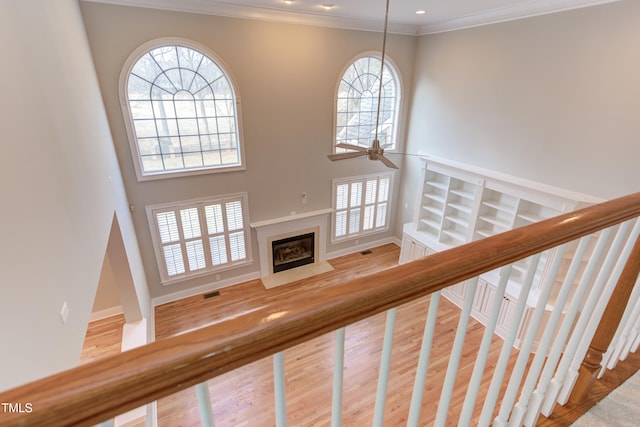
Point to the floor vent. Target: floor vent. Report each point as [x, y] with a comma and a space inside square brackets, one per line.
[366, 252]
[212, 294]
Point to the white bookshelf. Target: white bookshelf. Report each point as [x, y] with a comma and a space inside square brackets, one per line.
[458, 203]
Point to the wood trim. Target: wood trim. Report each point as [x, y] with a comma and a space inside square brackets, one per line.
[94, 392]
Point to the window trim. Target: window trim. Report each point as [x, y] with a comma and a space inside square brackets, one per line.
[133, 58]
[360, 233]
[165, 279]
[389, 62]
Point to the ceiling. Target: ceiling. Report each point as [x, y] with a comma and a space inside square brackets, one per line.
[440, 16]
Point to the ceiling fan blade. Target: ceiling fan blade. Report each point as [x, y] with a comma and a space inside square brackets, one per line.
[388, 163]
[385, 146]
[341, 156]
[351, 147]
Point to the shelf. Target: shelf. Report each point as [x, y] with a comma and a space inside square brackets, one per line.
[433, 224]
[456, 220]
[460, 207]
[531, 218]
[435, 197]
[504, 225]
[455, 235]
[436, 184]
[463, 193]
[493, 204]
[432, 210]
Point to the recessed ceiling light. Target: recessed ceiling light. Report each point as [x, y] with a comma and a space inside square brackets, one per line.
[289, 1]
[421, 12]
[328, 6]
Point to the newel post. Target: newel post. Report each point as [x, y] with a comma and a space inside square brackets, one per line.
[608, 325]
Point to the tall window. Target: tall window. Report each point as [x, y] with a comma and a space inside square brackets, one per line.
[357, 104]
[183, 113]
[198, 237]
[361, 205]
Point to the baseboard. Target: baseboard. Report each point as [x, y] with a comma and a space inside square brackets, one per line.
[175, 296]
[107, 312]
[363, 247]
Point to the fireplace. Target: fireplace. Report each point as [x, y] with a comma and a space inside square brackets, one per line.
[293, 252]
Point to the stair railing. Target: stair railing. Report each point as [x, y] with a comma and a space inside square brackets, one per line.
[607, 232]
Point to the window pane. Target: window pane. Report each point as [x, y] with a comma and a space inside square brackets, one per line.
[381, 219]
[218, 250]
[356, 194]
[213, 214]
[167, 227]
[370, 193]
[190, 223]
[195, 255]
[367, 223]
[236, 243]
[234, 216]
[341, 223]
[173, 259]
[341, 196]
[383, 194]
[354, 221]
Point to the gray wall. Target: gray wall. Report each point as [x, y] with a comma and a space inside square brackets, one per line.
[554, 99]
[61, 189]
[286, 76]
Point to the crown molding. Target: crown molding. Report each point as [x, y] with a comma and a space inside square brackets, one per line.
[508, 13]
[264, 14]
[521, 10]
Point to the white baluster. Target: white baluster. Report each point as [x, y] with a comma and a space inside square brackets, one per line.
[456, 353]
[523, 405]
[279, 390]
[507, 347]
[492, 395]
[507, 406]
[385, 362]
[108, 423]
[595, 315]
[338, 369]
[623, 334]
[558, 347]
[204, 404]
[423, 361]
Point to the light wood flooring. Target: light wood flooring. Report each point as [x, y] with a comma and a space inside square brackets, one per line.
[244, 397]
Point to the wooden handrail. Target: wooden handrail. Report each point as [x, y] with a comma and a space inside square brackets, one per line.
[103, 389]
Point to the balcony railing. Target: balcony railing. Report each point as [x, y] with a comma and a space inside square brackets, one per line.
[599, 243]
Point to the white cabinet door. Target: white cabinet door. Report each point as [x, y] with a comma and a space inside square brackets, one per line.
[411, 250]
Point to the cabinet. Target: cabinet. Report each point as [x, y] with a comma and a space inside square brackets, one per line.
[411, 249]
[458, 203]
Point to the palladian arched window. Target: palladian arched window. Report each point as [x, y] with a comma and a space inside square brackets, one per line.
[357, 104]
[183, 111]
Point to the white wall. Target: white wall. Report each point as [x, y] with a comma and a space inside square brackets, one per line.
[554, 99]
[286, 76]
[60, 189]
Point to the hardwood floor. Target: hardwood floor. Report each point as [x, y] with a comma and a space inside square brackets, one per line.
[245, 397]
[103, 338]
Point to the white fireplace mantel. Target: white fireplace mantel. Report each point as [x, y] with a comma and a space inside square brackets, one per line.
[288, 226]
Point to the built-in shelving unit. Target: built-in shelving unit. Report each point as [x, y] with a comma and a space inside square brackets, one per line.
[458, 203]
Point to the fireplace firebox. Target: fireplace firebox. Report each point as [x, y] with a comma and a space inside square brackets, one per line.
[293, 252]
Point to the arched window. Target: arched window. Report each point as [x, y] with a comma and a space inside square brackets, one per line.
[357, 104]
[183, 111]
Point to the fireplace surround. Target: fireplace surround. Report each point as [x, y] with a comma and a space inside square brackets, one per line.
[284, 228]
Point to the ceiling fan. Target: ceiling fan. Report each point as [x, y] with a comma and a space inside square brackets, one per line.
[376, 151]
